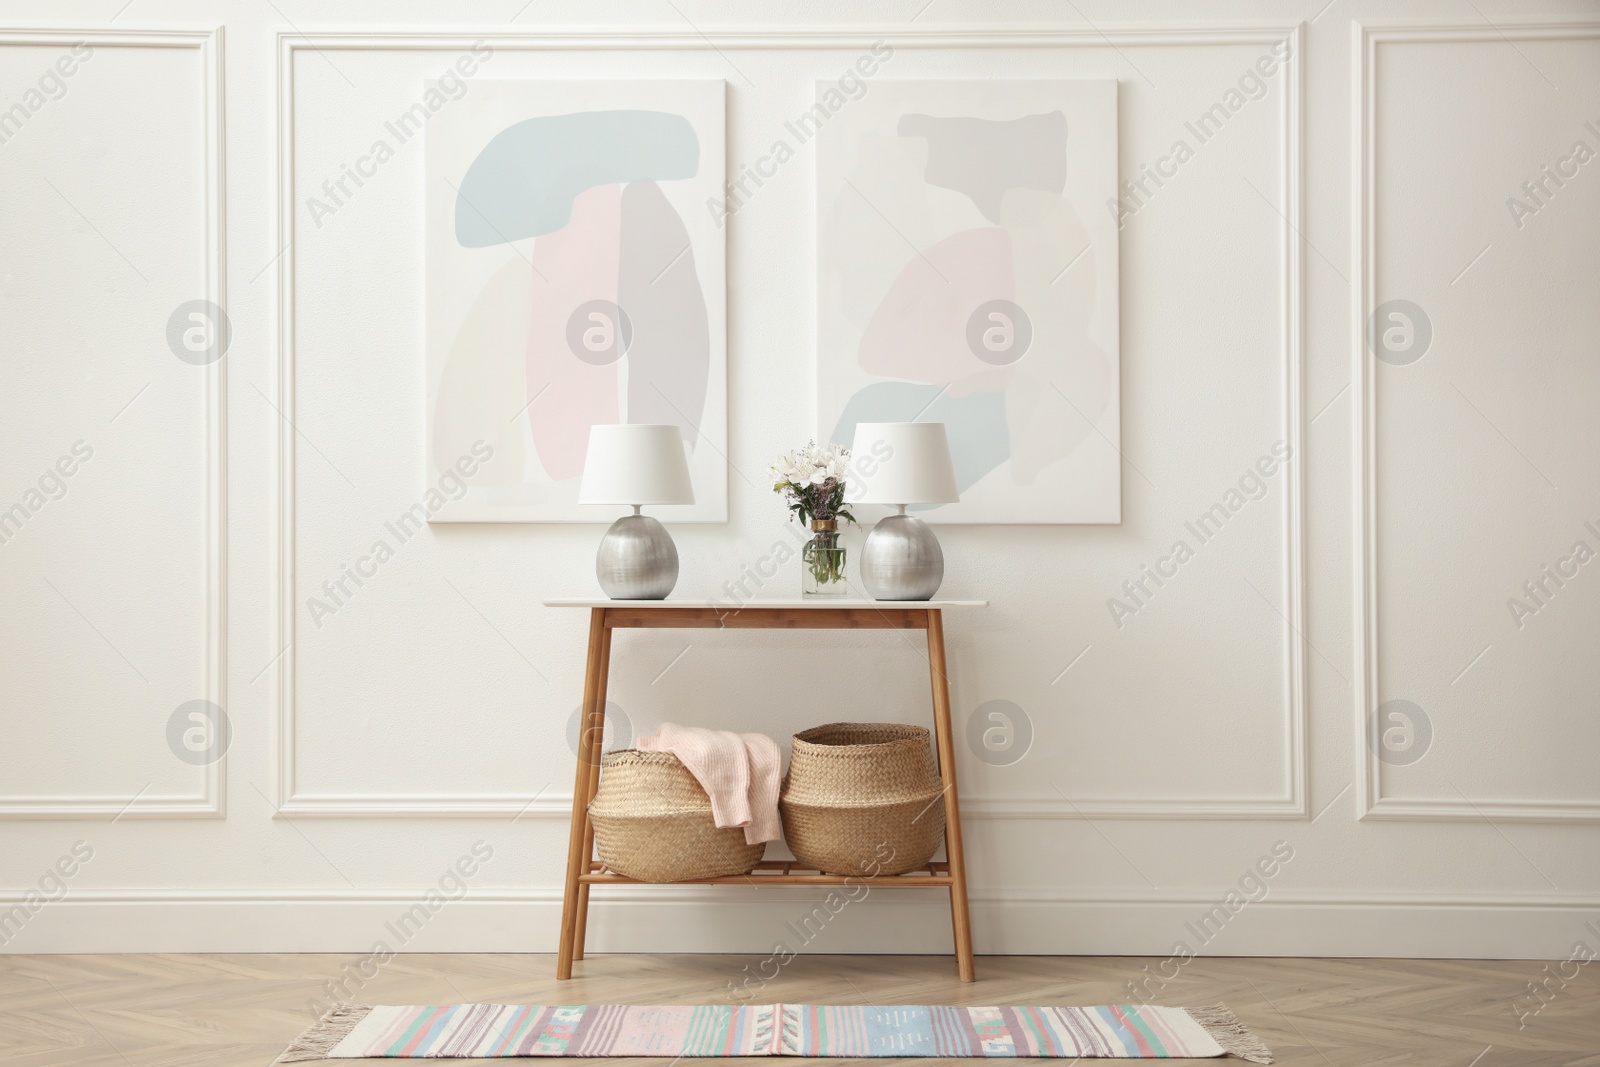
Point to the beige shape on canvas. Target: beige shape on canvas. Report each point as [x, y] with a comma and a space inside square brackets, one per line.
[481, 385]
[1064, 381]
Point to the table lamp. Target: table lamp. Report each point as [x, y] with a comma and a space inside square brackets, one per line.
[902, 463]
[636, 465]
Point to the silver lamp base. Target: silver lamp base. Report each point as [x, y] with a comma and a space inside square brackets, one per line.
[637, 560]
[902, 560]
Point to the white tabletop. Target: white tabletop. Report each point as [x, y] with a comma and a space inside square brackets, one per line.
[764, 602]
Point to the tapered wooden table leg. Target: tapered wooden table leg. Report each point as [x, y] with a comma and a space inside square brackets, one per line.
[960, 920]
[573, 901]
[596, 735]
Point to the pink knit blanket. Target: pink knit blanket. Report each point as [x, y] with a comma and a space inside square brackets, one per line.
[740, 773]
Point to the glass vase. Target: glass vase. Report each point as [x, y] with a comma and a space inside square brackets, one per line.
[822, 570]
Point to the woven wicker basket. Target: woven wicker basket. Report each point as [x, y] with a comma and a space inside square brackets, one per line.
[862, 798]
[652, 821]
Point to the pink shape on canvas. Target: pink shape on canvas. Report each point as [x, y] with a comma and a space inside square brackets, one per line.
[572, 266]
[919, 331]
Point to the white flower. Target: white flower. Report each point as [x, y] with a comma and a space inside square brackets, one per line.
[787, 468]
[811, 465]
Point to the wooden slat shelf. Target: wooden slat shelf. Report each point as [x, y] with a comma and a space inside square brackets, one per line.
[787, 872]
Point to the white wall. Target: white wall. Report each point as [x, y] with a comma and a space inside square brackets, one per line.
[1170, 753]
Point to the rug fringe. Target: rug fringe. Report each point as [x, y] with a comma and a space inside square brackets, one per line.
[1234, 1037]
[321, 1039]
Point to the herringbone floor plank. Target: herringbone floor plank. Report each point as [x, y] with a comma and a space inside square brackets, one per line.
[241, 1010]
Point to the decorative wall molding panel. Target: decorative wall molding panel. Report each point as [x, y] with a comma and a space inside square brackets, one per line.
[1292, 804]
[204, 46]
[1369, 40]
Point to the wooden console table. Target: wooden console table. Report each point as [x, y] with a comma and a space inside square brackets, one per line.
[605, 616]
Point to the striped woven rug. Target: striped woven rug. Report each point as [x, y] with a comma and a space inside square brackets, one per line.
[512, 1030]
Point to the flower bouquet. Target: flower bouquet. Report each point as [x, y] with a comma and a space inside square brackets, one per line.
[811, 480]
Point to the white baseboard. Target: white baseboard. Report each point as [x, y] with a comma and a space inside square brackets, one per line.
[692, 919]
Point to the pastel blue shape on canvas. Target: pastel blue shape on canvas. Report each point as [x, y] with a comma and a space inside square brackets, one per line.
[523, 182]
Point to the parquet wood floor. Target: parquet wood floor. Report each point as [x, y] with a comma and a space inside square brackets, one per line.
[241, 1010]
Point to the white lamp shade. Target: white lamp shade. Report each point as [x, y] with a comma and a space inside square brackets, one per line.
[902, 463]
[635, 465]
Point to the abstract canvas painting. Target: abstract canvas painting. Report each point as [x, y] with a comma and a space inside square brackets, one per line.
[967, 274]
[574, 277]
